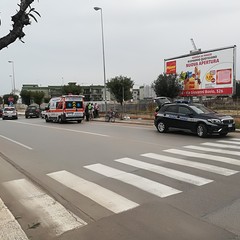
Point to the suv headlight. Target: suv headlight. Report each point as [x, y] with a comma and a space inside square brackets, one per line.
[214, 121]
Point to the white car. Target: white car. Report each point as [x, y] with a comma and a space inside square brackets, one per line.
[9, 113]
[43, 113]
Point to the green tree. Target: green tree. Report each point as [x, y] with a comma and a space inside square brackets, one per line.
[1, 100]
[21, 19]
[7, 97]
[46, 99]
[167, 85]
[71, 88]
[120, 87]
[38, 97]
[26, 97]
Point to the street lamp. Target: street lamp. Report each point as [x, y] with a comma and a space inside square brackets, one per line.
[13, 76]
[104, 69]
[11, 82]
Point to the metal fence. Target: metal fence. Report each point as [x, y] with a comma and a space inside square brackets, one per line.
[147, 108]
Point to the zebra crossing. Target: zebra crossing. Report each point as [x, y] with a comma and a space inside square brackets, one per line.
[53, 215]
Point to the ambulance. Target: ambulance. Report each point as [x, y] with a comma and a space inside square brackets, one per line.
[65, 108]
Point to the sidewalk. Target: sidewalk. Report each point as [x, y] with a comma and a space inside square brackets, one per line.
[139, 121]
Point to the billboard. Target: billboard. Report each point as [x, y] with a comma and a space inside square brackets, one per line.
[205, 73]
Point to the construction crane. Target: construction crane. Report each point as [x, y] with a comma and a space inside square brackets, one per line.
[195, 49]
[194, 45]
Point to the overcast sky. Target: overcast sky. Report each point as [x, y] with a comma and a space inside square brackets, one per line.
[65, 45]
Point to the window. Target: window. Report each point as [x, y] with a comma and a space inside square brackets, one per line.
[184, 110]
[198, 108]
[74, 104]
[59, 105]
[172, 109]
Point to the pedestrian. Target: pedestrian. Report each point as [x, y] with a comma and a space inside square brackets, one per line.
[96, 110]
[90, 109]
[87, 112]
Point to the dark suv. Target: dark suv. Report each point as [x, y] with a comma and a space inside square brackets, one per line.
[32, 111]
[192, 117]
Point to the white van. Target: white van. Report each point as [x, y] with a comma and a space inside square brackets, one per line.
[65, 108]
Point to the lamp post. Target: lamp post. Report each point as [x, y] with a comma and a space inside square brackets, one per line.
[13, 76]
[103, 53]
[11, 82]
[123, 100]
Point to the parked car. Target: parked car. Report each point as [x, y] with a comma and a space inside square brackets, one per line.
[9, 113]
[1, 111]
[32, 111]
[192, 117]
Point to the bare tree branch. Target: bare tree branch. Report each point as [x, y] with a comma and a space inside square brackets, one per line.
[20, 20]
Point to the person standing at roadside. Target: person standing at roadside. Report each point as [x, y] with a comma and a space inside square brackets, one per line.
[87, 112]
[90, 109]
[96, 110]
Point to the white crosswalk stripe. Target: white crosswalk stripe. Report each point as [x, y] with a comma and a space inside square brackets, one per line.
[181, 176]
[108, 199]
[224, 151]
[204, 156]
[50, 213]
[219, 145]
[230, 142]
[235, 139]
[9, 227]
[197, 165]
[145, 184]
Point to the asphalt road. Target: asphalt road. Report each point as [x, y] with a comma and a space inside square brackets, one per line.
[98, 180]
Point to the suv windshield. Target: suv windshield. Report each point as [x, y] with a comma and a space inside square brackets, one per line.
[200, 109]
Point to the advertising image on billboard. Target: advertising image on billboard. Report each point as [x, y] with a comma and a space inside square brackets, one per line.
[204, 73]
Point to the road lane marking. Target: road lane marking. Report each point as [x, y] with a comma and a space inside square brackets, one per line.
[142, 183]
[220, 145]
[204, 156]
[171, 173]
[213, 150]
[106, 198]
[230, 142]
[9, 226]
[50, 213]
[11, 140]
[64, 129]
[197, 165]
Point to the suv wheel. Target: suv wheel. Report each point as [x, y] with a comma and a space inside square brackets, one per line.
[223, 134]
[201, 130]
[161, 127]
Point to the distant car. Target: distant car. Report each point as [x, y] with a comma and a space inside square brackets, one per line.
[9, 113]
[1, 111]
[192, 117]
[32, 111]
[43, 113]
